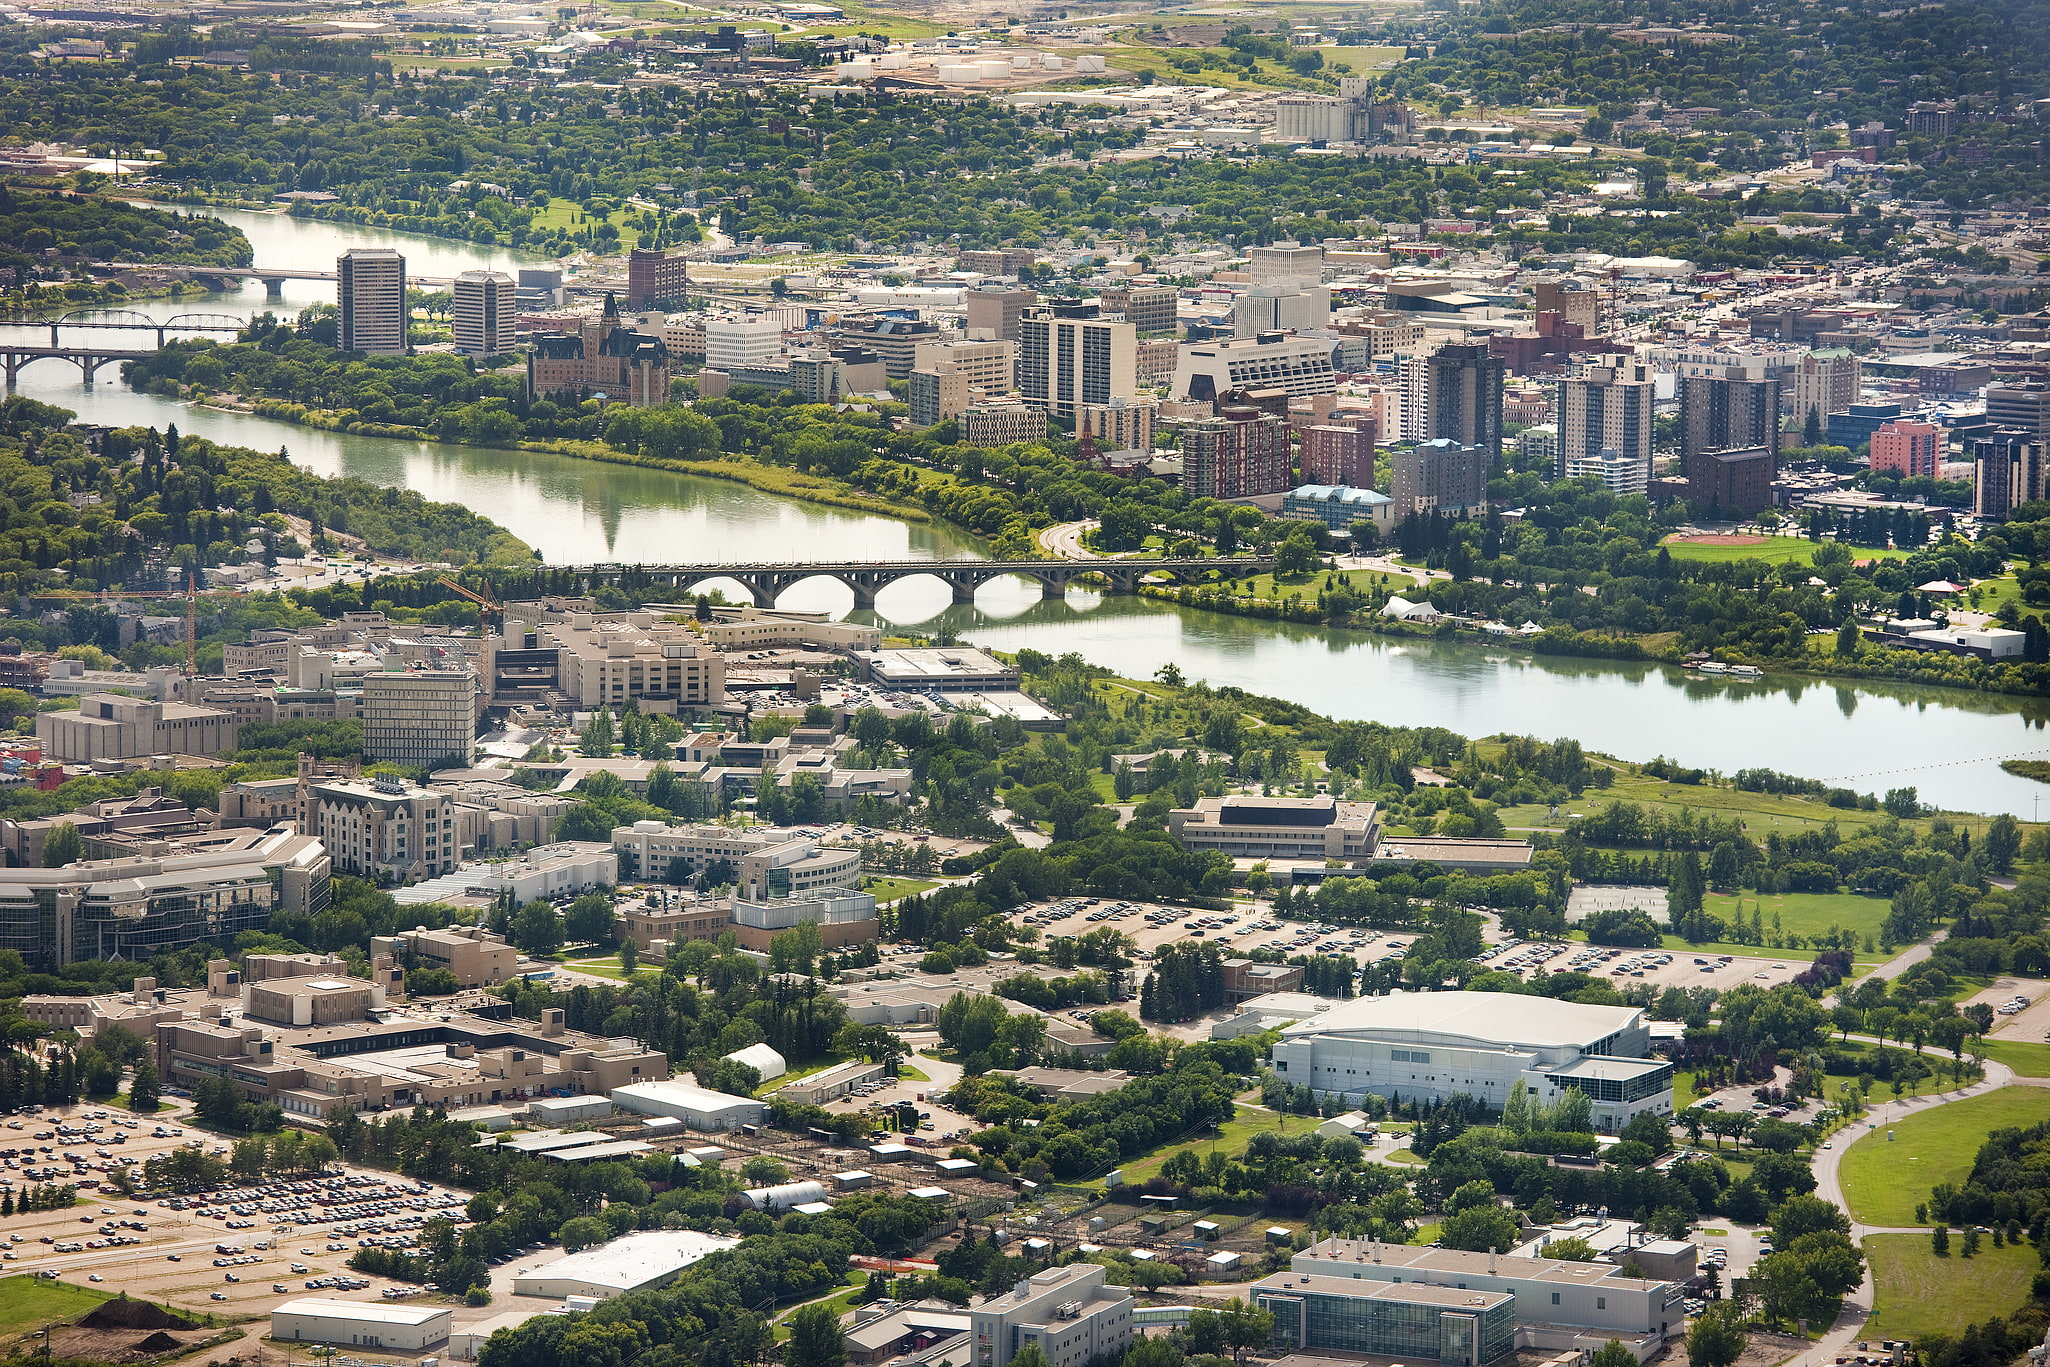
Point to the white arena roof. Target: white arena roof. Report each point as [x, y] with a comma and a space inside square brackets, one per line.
[370, 1312]
[636, 1260]
[1507, 1018]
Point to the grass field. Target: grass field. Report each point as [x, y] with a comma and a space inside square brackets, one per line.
[1231, 1138]
[890, 889]
[2027, 1059]
[27, 1303]
[603, 966]
[1883, 1181]
[1916, 1293]
[1774, 550]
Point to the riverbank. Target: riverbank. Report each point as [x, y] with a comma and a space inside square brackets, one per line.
[776, 480]
[1926, 668]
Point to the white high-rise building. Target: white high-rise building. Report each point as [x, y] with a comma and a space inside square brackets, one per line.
[1294, 307]
[741, 341]
[1605, 416]
[1285, 262]
[482, 314]
[1068, 355]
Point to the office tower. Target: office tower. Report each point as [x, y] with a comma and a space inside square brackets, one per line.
[1720, 413]
[1298, 366]
[1454, 393]
[1731, 483]
[482, 314]
[995, 310]
[1906, 447]
[2024, 405]
[1605, 415]
[1294, 307]
[1149, 308]
[1285, 263]
[2007, 472]
[1067, 355]
[371, 287]
[1239, 453]
[1824, 382]
[1340, 453]
[419, 717]
[731, 341]
[654, 277]
[895, 340]
[1440, 475]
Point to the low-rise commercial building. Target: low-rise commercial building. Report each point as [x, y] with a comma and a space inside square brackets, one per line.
[387, 1326]
[1448, 1325]
[114, 726]
[635, 1262]
[134, 907]
[698, 1107]
[940, 669]
[476, 956]
[1279, 827]
[833, 1083]
[1069, 1312]
[1556, 1302]
[1432, 1045]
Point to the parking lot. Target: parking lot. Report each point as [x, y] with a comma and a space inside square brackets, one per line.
[2031, 1022]
[1254, 926]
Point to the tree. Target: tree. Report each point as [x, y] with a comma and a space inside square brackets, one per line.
[589, 919]
[1717, 1338]
[582, 1232]
[763, 1171]
[1573, 1250]
[62, 846]
[537, 929]
[142, 1089]
[596, 742]
[1479, 1229]
[873, 1042]
[1613, 1354]
[816, 1340]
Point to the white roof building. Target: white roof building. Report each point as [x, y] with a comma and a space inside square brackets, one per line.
[646, 1259]
[382, 1325]
[762, 1059]
[698, 1107]
[1433, 1045]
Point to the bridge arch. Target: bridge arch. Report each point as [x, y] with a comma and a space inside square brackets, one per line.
[109, 317]
[205, 322]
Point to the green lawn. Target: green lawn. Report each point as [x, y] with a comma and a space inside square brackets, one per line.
[890, 889]
[1231, 1138]
[28, 1303]
[1806, 913]
[2027, 1059]
[1883, 1181]
[1775, 550]
[841, 1301]
[603, 966]
[1916, 1293]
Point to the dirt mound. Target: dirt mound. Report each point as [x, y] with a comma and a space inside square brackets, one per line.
[123, 1313]
[159, 1342]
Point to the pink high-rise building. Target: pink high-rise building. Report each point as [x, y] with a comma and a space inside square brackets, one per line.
[1336, 453]
[1907, 448]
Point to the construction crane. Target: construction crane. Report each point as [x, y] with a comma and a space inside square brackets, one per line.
[189, 594]
[487, 610]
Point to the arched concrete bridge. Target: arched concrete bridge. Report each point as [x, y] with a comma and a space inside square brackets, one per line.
[766, 583]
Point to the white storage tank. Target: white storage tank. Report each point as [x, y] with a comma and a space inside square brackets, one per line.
[959, 73]
[1022, 62]
[785, 1196]
[1050, 61]
[1087, 64]
[891, 61]
[993, 70]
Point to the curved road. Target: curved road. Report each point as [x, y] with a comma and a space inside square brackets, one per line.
[1827, 1165]
[1064, 541]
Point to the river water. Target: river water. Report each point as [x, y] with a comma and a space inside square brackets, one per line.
[1869, 736]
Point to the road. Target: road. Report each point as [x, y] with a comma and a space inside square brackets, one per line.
[1064, 542]
[1857, 1307]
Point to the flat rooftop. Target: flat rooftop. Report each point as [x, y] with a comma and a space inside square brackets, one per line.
[1408, 1293]
[1453, 1262]
[1506, 1019]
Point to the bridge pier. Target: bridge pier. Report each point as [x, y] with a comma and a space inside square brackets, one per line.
[273, 287]
[964, 589]
[864, 596]
[1049, 587]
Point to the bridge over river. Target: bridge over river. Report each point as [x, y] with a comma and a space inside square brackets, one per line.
[766, 583]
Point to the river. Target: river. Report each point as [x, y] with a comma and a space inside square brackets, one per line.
[1868, 736]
